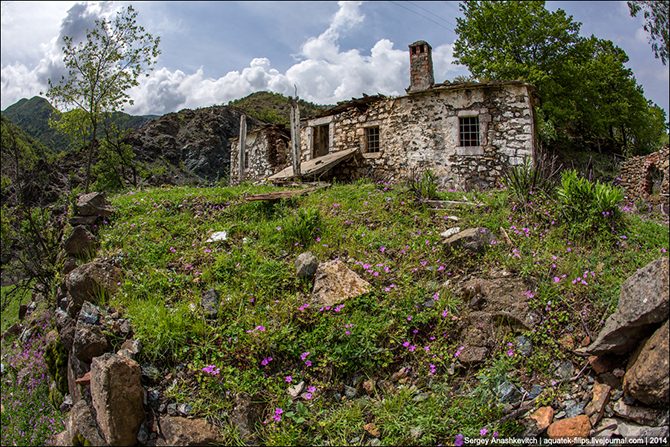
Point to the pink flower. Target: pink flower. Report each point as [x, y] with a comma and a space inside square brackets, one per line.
[308, 363]
[277, 415]
[444, 313]
[266, 361]
[458, 351]
[304, 355]
[382, 249]
[529, 294]
[436, 296]
[409, 318]
[433, 369]
[288, 379]
[172, 250]
[557, 279]
[483, 432]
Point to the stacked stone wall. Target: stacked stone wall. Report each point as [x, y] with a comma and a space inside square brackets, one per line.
[421, 131]
[637, 176]
[267, 151]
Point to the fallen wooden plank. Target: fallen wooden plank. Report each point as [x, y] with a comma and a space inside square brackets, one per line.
[316, 166]
[286, 194]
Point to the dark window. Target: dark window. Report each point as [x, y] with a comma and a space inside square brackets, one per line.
[469, 130]
[372, 139]
[246, 158]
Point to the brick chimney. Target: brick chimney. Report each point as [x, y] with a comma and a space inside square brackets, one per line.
[420, 66]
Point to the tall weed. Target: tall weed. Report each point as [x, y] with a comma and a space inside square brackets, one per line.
[588, 206]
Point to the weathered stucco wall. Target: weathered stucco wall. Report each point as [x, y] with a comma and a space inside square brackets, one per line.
[646, 177]
[267, 151]
[421, 131]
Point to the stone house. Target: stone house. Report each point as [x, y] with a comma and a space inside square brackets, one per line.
[266, 152]
[468, 134]
[646, 177]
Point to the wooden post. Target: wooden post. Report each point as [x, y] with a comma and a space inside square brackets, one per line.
[243, 141]
[295, 135]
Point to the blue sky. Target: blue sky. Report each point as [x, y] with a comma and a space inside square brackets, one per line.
[213, 52]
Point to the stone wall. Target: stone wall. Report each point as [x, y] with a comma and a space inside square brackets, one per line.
[421, 131]
[646, 177]
[268, 152]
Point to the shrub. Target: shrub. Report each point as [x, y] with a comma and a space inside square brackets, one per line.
[423, 187]
[586, 205]
[301, 227]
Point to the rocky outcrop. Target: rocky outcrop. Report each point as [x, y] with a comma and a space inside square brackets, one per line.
[647, 379]
[642, 305]
[80, 242]
[117, 397]
[181, 431]
[575, 427]
[89, 281]
[335, 283]
[198, 139]
[474, 240]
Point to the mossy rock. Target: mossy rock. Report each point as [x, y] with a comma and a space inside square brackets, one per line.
[56, 359]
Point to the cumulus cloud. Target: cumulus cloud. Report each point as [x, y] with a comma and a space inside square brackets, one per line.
[323, 72]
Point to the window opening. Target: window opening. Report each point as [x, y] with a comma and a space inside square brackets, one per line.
[372, 139]
[469, 131]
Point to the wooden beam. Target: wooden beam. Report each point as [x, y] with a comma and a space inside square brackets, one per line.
[295, 135]
[243, 143]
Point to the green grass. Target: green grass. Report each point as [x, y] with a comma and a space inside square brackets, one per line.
[13, 299]
[391, 241]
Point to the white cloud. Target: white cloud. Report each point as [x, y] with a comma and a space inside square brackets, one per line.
[324, 73]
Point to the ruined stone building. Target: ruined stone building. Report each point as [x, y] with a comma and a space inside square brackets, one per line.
[647, 176]
[466, 133]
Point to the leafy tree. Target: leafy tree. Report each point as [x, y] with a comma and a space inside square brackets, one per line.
[587, 94]
[656, 16]
[100, 70]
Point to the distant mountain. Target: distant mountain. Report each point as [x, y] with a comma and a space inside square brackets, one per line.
[194, 141]
[32, 115]
[274, 107]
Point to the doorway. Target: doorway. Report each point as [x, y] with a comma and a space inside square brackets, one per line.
[320, 140]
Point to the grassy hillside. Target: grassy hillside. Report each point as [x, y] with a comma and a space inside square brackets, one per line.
[268, 337]
[274, 107]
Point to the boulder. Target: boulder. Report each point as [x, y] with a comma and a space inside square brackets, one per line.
[89, 342]
[181, 431]
[474, 240]
[643, 303]
[246, 413]
[335, 283]
[89, 282]
[472, 355]
[306, 265]
[575, 427]
[82, 427]
[640, 415]
[210, 303]
[647, 379]
[117, 397]
[81, 242]
[93, 204]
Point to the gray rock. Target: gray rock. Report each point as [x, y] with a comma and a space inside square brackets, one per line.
[89, 282]
[184, 409]
[143, 434]
[535, 391]
[508, 392]
[306, 265]
[474, 240]
[640, 415]
[210, 303]
[643, 302]
[83, 427]
[349, 391]
[295, 390]
[89, 342]
[172, 409]
[574, 408]
[93, 204]
[524, 345]
[565, 370]
[89, 313]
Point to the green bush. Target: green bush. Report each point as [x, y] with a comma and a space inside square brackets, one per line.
[301, 227]
[423, 187]
[586, 205]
